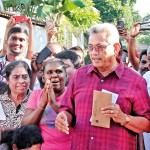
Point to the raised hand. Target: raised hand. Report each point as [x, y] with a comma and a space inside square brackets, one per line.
[35, 67]
[135, 30]
[29, 23]
[11, 23]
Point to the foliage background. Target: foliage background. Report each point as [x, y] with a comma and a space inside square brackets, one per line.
[77, 16]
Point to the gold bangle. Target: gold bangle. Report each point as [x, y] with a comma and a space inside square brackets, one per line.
[40, 107]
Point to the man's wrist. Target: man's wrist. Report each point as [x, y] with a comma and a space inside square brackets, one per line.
[132, 37]
[127, 120]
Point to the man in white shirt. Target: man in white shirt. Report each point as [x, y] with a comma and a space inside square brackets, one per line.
[147, 78]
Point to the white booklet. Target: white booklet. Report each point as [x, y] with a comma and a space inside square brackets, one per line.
[114, 96]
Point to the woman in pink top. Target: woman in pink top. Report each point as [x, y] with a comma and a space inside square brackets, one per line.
[42, 106]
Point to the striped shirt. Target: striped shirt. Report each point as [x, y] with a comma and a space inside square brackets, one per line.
[133, 100]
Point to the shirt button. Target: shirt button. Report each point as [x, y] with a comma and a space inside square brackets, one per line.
[92, 138]
[102, 80]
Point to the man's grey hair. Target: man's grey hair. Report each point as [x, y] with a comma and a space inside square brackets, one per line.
[109, 29]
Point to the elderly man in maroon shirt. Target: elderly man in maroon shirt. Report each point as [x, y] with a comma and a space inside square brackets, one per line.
[129, 115]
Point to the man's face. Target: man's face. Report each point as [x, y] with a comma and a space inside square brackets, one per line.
[143, 67]
[17, 43]
[70, 69]
[81, 56]
[148, 58]
[101, 51]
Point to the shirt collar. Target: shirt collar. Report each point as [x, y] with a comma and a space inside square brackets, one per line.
[6, 59]
[119, 70]
[24, 100]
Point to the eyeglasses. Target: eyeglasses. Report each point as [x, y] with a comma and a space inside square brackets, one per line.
[97, 47]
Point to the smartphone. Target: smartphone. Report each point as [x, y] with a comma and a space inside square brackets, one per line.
[20, 18]
[145, 26]
[120, 24]
[45, 52]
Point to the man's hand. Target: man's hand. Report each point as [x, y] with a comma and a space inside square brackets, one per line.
[29, 23]
[35, 67]
[135, 30]
[11, 23]
[50, 30]
[113, 111]
[124, 34]
[61, 123]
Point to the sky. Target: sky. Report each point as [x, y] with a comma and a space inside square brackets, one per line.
[143, 6]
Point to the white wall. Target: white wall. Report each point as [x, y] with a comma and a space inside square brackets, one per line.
[1, 5]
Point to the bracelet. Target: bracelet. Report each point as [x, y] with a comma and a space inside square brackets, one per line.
[40, 107]
[127, 120]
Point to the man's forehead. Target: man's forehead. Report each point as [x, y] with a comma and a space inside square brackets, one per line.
[144, 57]
[97, 37]
[18, 35]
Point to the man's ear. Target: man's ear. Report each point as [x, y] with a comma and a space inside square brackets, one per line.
[7, 81]
[116, 48]
[43, 79]
[14, 147]
[6, 41]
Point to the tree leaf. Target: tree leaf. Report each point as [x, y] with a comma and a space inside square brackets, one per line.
[79, 3]
[25, 2]
[37, 2]
[48, 8]
[43, 11]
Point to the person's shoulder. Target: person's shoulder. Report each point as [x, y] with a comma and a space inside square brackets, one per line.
[37, 91]
[4, 96]
[86, 68]
[28, 61]
[3, 58]
[132, 72]
[146, 76]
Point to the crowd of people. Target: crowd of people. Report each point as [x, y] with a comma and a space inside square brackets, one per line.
[49, 105]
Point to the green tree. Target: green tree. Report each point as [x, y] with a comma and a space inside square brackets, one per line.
[114, 10]
[136, 17]
[80, 13]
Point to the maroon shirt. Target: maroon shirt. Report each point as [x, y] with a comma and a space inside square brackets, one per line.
[133, 99]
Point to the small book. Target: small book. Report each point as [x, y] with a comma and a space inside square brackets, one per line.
[100, 100]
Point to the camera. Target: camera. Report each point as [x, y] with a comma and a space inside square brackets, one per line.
[20, 18]
[120, 24]
[145, 26]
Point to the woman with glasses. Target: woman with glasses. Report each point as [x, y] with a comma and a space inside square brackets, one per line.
[13, 101]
